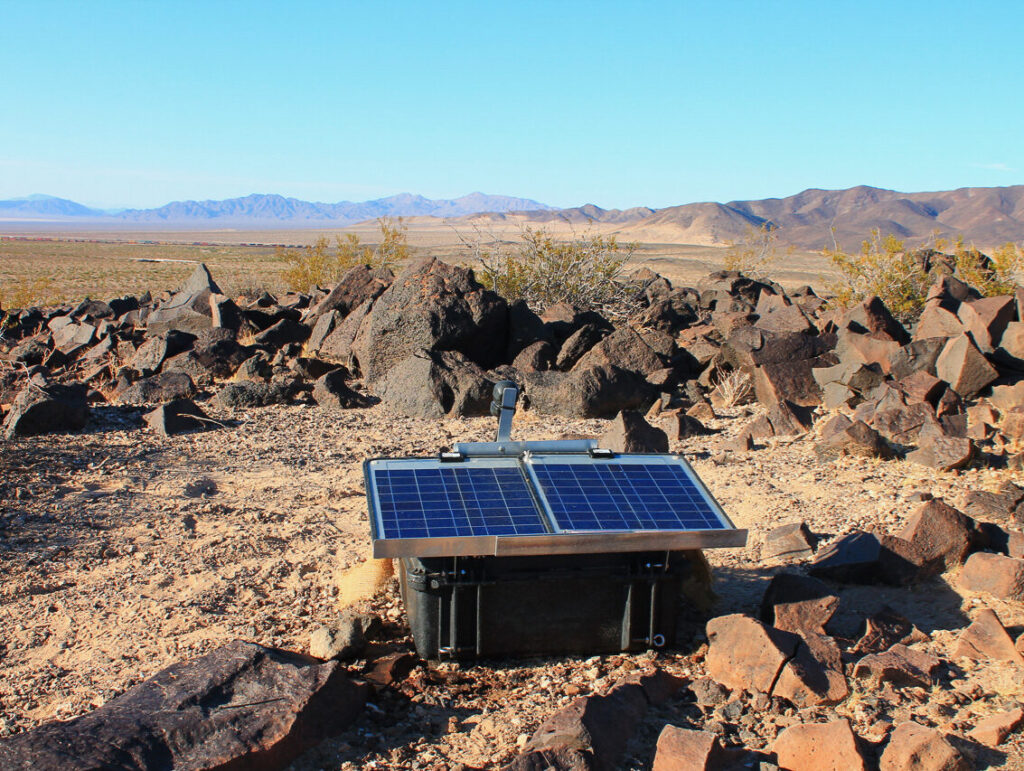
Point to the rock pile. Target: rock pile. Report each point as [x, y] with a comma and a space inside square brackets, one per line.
[432, 341]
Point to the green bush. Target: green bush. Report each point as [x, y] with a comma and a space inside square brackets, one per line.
[883, 268]
[316, 265]
[586, 271]
[757, 252]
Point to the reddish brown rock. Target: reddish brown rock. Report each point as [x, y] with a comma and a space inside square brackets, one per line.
[814, 676]
[964, 367]
[798, 604]
[993, 730]
[790, 541]
[1005, 397]
[859, 439]
[676, 424]
[994, 574]
[871, 317]
[593, 730]
[943, 453]
[884, 629]
[702, 411]
[940, 532]
[391, 669]
[1012, 426]
[870, 558]
[904, 425]
[629, 432]
[986, 638]
[791, 381]
[936, 321]
[744, 654]
[921, 387]
[914, 747]
[680, 749]
[900, 666]
[1011, 346]
[986, 319]
[819, 747]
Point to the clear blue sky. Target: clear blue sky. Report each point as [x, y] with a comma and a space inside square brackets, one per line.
[615, 103]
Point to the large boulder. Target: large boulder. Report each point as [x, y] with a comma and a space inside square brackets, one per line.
[241, 706]
[162, 387]
[188, 309]
[436, 307]
[358, 285]
[629, 432]
[623, 348]
[151, 355]
[599, 392]
[964, 367]
[435, 384]
[45, 409]
[819, 747]
[332, 391]
[872, 318]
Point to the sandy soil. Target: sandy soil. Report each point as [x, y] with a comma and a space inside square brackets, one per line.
[123, 552]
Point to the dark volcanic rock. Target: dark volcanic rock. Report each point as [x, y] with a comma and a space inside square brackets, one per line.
[177, 417]
[158, 348]
[253, 393]
[940, 532]
[188, 310]
[241, 706]
[868, 558]
[358, 285]
[162, 387]
[577, 344]
[332, 390]
[44, 409]
[789, 541]
[871, 317]
[437, 307]
[283, 332]
[434, 384]
[600, 392]
[623, 348]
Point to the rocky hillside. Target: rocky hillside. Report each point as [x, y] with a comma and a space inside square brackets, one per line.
[874, 617]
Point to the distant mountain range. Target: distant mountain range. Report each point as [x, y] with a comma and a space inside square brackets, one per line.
[271, 210]
[985, 216]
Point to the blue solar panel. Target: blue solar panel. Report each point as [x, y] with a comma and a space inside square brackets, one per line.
[420, 499]
[611, 496]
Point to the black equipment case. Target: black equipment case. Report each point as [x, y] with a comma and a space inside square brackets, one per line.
[473, 607]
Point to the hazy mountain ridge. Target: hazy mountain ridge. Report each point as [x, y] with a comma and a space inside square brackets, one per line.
[985, 216]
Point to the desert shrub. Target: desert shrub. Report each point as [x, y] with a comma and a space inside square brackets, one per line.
[318, 265]
[587, 271]
[26, 293]
[757, 252]
[996, 275]
[733, 387]
[883, 268]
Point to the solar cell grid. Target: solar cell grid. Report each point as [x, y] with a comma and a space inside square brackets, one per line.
[425, 502]
[624, 497]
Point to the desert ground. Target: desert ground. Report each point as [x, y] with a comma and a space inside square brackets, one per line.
[125, 552]
[72, 264]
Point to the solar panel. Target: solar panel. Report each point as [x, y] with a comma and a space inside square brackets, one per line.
[541, 503]
[627, 494]
[478, 497]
